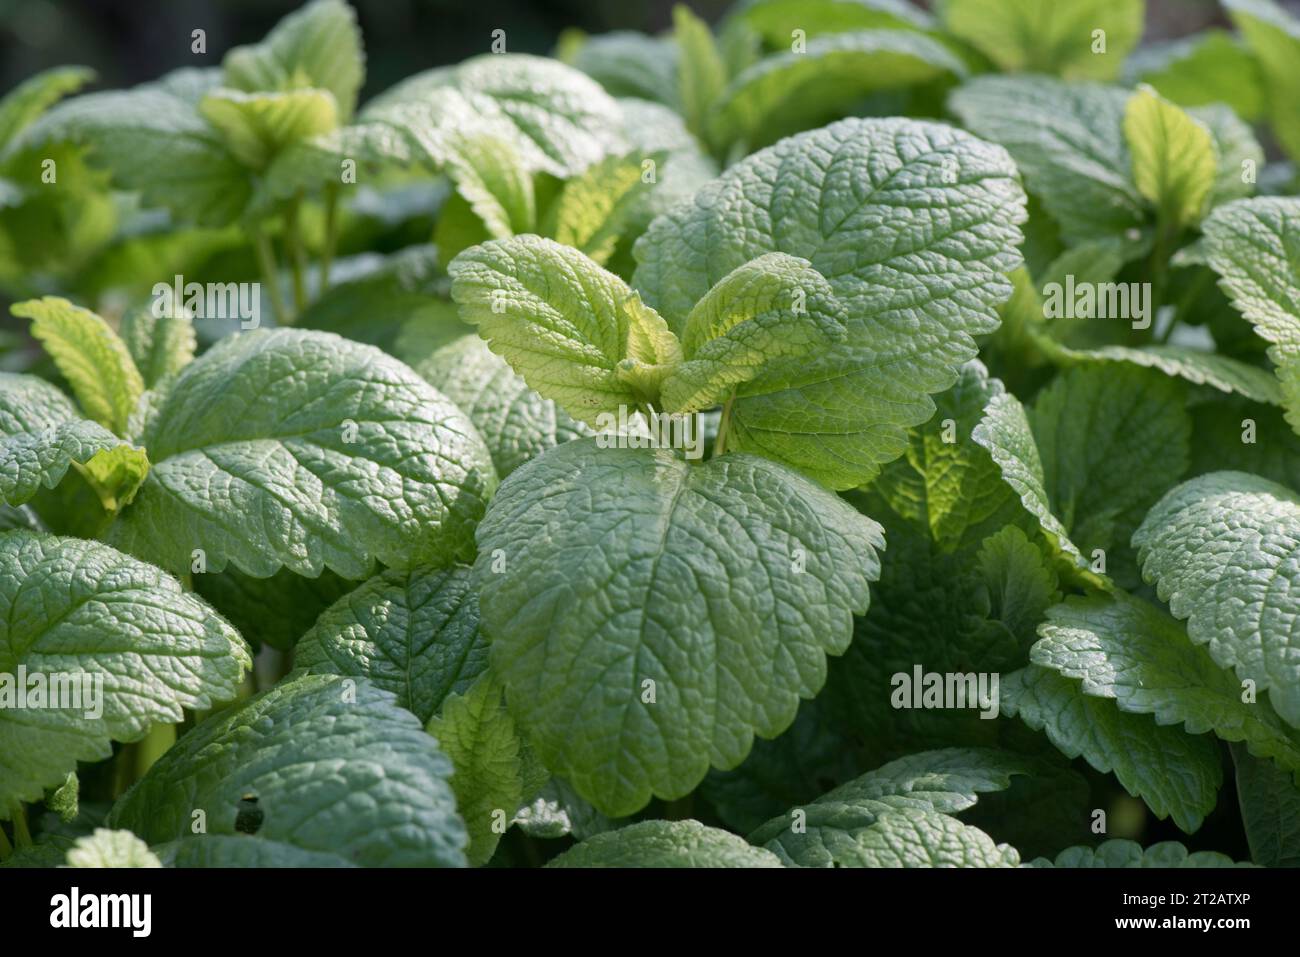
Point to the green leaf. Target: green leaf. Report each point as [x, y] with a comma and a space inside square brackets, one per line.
[490, 175]
[623, 566]
[516, 422]
[318, 45]
[628, 63]
[1273, 35]
[89, 355]
[862, 200]
[1238, 151]
[865, 833]
[596, 209]
[413, 633]
[107, 848]
[152, 139]
[42, 434]
[298, 449]
[1217, 548]
[322, 763]
[77, 607]
[160, 346]
[1270, 810]
[1067, 141]
[788, 92]
[477, 733]
[274, 611]
[66, 800]
[946, 483]
[1060, 37]
[1210, 66]
[20, 107]
[1175, 773]
[701, 74]
[561, 321]
[257, 126]
[773, 307]
[776, 19]
[665, 844]
[1127, 650]
[1174, 158]
[1124, 853]
[558, 811]
[241, 850]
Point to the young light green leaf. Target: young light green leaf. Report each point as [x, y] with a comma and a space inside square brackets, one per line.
[1175, 773]
[159, 346]
[1067, 141]
[862, 201]
[477, 733]
[1125, 853]
[79, 611]
[1270, 810]
[635, 649]
[1128, 650]
[257, 126]
[701, 74]
[1273, 35]
[300, 449]
[89, 355]
[561, 321]
[1210, 66]
[788, 92]
[20, 107]
[773, 307]
[1075, 39]
[489, 174]
[42, 435]
[516, 422]
[665, 844]
[1217, 548]
[596, 209]
[1174, 159]
[413, 633]
[318, 45]
[322, 763]
[105, 848]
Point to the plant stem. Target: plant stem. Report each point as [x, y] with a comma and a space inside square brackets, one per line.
[331, 235]
[720, 444]
[153, 746]
[293, 244]
[22, 836]
[270, 274]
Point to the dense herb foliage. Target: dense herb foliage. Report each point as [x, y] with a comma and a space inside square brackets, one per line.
[851, 435]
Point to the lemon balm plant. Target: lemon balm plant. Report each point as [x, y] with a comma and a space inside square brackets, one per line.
[971, 308]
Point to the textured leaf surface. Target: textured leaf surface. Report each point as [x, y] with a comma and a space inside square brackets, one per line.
[303, 450]
[1124, 853]
[241, 850]
[917, 259]
[1192, 365]
[1128, 650]
[1220, 549]
[90, 356]
[666, 844]
[623, 566]
[1067, 141]
[628, 63]
[105, 848]
[274, 611]
[788, 92]
[516, 422]
[1175, 773]
[159, 346]
[1270, 810]
[412, 633]
[315, 763]
[77, 607]
[1174, 157]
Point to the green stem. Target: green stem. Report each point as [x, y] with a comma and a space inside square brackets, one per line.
[6, 849]
[1159, 267]
[331, 235]
[270, 274]
[22, 836]
[720, 444]
[297, 261]
[153, 746]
